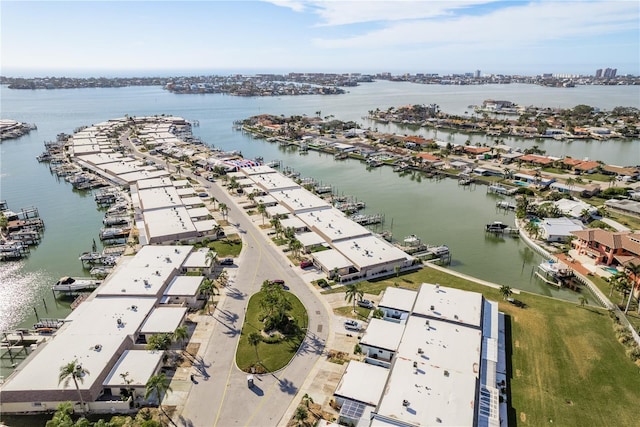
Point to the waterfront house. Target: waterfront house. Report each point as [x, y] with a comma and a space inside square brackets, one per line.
[604, 246]
[625, 206]
[558, 229]
[575, 208]
[587, 167]
[536, 160]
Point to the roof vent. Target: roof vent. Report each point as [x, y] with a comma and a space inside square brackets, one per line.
[455, 316]
[415, 364]
[446, 373]
[420, 350]
[433, 307]
[405, 402]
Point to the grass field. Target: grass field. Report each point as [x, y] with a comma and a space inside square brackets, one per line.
[567, 368]
[229, 246]
[273, 356]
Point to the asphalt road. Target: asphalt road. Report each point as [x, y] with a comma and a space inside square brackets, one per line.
[223, 398]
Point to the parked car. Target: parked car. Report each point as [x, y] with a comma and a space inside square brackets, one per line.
[278, 282]
[227, 261]
[306, 264]
[352, 325]
[365, 303]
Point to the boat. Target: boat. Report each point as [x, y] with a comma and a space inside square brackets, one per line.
[503, 204]
[496, 227]
[70, 284]
[555, 273]
[340, 155]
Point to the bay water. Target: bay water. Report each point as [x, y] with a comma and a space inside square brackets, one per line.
[439, 212]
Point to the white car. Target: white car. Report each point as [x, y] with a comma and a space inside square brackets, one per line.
[365, 303]
[352, 325]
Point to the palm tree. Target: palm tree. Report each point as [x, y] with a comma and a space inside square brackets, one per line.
[223, 278]
[295, 246]
[211, 257]
[506, 291]
[207, 287]
[254, 339]
[262, 210]
[632, 272]
[583, 301]
[224, 209]
[181, 334]
[73, 371]
[353, 293]
[158, 385]
[179, 169]
[276, 224]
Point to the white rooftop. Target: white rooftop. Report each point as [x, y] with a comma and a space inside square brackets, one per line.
[169, 224]
[274, 181]
[450, 304]
[369, 251]
[355, 376]
[383, 334]
[398, 299]
[310, 239]
[163, 320]
[198, 259]
[159, 197]
[164, 181]
[257, 170]
[294, 222]
[201, 212]
[184, 286]
[333, 225]
[277, 210]
[139, 281]
[299, 200]
[146, 173]
[332, 259]
[137, 365]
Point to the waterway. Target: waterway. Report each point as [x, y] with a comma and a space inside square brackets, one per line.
[439, 212]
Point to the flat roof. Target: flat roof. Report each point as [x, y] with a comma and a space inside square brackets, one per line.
[101, 158]
[310, 239]
[332, 259]
[358, 373]
[41, 372]
[184, 286]
[333, 225]
[368, 251]
[274, 181]
[277, 210]
[192, 201]
[149, 256]
[383, 334]
[158, 197]
[137, 365]
[99, 316]
[454, 305]
[169, 224]
[398, 299]
[257, 170]
[428, 398]
[294, 222]
[163, 181]
[137, 281]
[185, 191]
[163, 320]
[299, 200]
[204, 226]
[199, 212]
[198, 259]
[141, 174]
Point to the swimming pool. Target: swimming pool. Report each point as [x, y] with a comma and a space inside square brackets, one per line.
[610, 270]
[521, 183]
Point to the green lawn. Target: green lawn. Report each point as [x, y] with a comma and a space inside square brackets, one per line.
[568, 369]
[273, 356]
[229, 246]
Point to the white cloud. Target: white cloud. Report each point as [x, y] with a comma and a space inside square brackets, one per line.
[515, 25]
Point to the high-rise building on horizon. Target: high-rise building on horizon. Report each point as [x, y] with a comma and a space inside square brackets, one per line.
[599, 73]
[477, 74]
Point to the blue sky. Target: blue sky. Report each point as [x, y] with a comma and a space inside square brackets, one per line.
[167, 37]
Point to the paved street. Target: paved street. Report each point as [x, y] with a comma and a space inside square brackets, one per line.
[223, 399]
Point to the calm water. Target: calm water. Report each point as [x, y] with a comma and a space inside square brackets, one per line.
[438, 212]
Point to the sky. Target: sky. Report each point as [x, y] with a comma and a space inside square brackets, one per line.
[156, 38]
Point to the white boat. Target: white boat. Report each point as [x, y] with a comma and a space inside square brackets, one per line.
[69, 284]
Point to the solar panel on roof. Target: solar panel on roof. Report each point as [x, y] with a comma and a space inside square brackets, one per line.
[351, 409]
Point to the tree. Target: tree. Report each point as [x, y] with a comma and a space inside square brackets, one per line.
[224, 209]
[211, 256]
[295, 246]
[632, 272]
[533, 229]
[353, 293]
[159, 342]
[301, 415]
[158, 385]
[254, 339]
[62, 416]
[179, 169]
[506, 291]
[181, 334]
[73, 371]
[262, 210]
[583, 301]
[276, 224]
[207, 288]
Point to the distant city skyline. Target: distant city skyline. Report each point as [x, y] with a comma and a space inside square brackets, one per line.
[119, 38]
